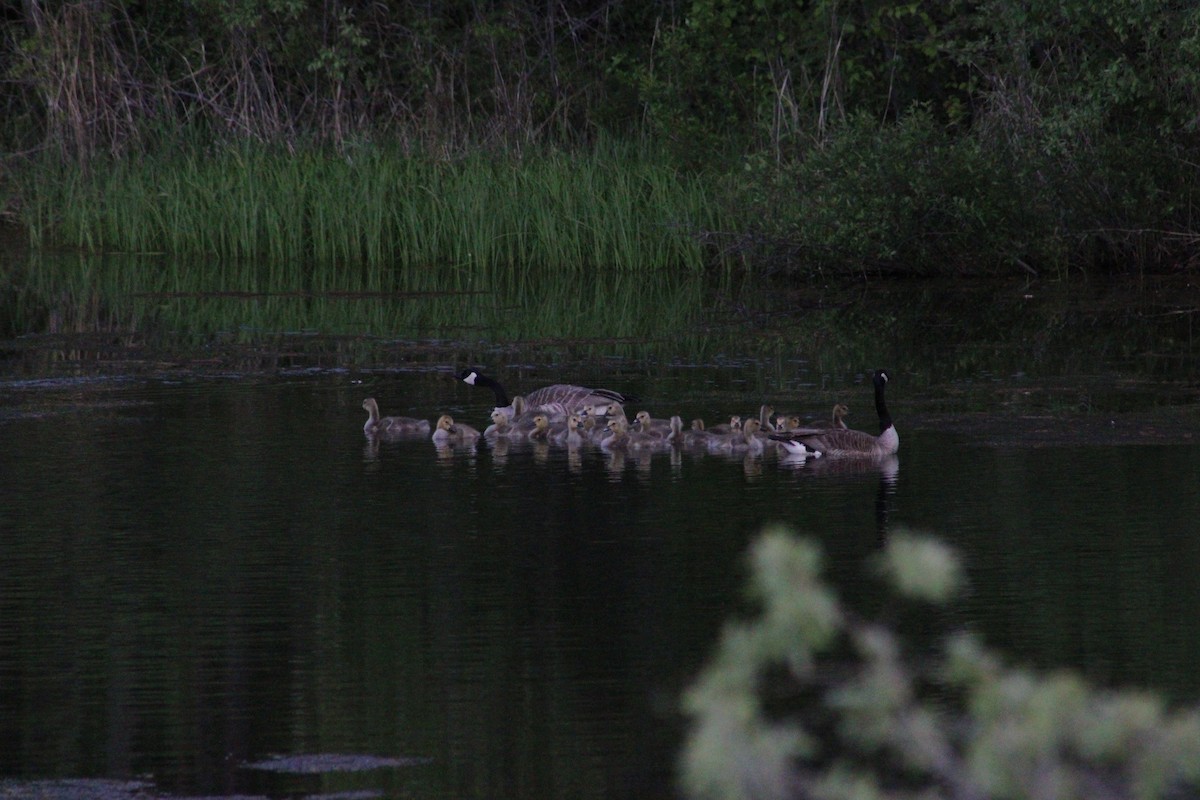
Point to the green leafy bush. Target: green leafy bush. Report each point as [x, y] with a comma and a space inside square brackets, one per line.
[906, 198]
[809, 699]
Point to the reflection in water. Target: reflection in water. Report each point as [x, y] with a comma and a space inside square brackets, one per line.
[887, 467]
[198, 574]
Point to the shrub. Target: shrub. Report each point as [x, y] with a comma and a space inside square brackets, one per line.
[907, 198]
[808, 699]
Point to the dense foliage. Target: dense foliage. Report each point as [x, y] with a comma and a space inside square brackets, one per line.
[810, 698]
[964, 136]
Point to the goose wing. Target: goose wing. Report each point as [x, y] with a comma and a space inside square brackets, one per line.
[561, 399]
[833, 442]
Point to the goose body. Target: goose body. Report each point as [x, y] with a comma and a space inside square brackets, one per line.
[558, 400]
[391, 426]
[845, 442]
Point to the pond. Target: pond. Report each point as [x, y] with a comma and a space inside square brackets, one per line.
[212, 583]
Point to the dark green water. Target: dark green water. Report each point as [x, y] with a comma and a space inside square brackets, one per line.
[204, 563]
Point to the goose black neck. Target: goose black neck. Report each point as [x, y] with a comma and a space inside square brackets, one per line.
[885, 419]
[501, 396]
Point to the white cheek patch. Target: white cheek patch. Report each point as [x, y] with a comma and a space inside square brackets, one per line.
[469, 379]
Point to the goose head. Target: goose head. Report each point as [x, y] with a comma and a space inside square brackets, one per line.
[541, 426]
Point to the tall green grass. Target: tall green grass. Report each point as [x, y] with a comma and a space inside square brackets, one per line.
[271, 216]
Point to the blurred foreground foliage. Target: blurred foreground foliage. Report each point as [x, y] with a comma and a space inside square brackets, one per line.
[810, 699]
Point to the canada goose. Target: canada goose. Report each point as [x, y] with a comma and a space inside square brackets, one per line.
[447, 431]
[569, 435]
[734, 424]
[517, 405]
[696, 435]
[391, 426]
[645, 438]
[792, 422]
[840, 411]
[739, 441]
[655, 427]
[501, 427]
[847, 443]
[541, 428]
[618, 435]
[591, 427]
[557, 400]
[677, 436]
[788, 422]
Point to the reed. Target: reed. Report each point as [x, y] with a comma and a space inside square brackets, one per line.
[312, 217]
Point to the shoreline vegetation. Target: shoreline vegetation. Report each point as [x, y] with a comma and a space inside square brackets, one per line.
[804, 141]
[374, 208]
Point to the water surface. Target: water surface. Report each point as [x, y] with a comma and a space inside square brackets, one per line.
[206, 566]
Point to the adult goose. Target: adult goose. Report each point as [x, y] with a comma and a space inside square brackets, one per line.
[391, 426]
[847, 443]
[557, 400]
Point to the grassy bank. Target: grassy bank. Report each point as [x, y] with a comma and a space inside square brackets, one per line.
[909, 199]
[326, 221]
